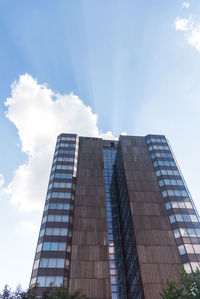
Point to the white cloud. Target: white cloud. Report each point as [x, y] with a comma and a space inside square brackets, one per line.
[185, 4]
[40, 115]
[183, 24]
[192, 31]
[123, 133]
[1, 180]
[108, 135]
[26, 228]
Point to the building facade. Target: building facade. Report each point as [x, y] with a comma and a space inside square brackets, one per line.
[118, 219]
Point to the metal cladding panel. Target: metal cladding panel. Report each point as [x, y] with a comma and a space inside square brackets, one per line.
[157, 251]
[89, 268]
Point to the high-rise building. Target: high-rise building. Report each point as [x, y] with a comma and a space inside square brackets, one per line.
[118, 219]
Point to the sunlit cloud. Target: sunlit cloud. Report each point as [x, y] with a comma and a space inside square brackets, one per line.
[185, 4]
[1, 180]
[27, 228]
[190, 29]
[39, 115]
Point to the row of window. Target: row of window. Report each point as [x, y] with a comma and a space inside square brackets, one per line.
[183, 218]
[63, 167]
[67, 138]
[49, 263]
[57, 206]
[59, 175]
[186, 232]
[52, 246]
[45, 281]
[158, 147]
[161, 155]
[55, 231]
[59, 195]
[157, 139]
[171, 182]
[189, 248]
[60, 185]
[163, 163]
[63, 159]
[65, 145]
[167, 172]
[178, 204]
[57, 218]
[169, 192]
[70, 152]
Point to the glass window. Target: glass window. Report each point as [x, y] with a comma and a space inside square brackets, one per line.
[158, 173]
[155, 164]
[164, 193]
[56, 231]
[164, 172]
[44, 219]
[43, 263]
[172, 219]
[49, 231]
[194, 266]
[114, 288]
[36, 264]
[41, 233]
[193, 218]
[62, 246]
[46, 246]
[181, 249]
[170, 192]
[181, 205]
[188, 205]
[33, 280]
[179, 217]
[54, 246]
[183, 232]
[197, 230]
[58, 218]
[186, 218]
[58, 281]
[168, 205]
[169, 172]
[52, 263]
[183, 193]
[161, 183]
[41, 281]
[174, 205]
[173, 182]
[39, 247]
[187, 267]
[49, 281]
[64, 231]
[177, 192]
[175, 172]
[191, 232]
[115, 296]
[196, 248]
[176, 233]
[50, 218]
[113, 279]
[189, 248]
[60, 263]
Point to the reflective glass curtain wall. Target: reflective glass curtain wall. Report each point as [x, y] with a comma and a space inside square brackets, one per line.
[114, 240]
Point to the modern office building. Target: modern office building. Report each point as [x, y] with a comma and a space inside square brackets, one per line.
[118, 219]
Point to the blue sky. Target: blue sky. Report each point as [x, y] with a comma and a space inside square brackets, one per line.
[133, 63]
